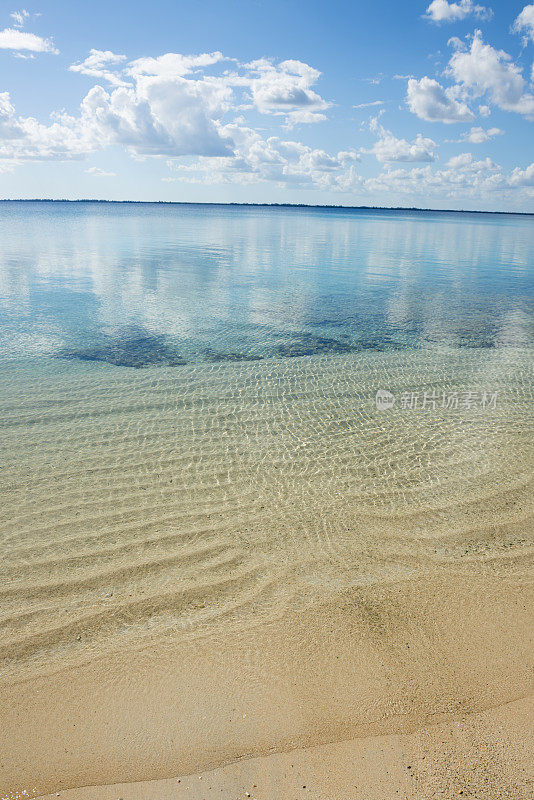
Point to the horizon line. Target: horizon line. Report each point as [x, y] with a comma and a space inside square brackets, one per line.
[264, 205]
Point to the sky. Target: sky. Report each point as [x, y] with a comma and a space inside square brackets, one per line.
[345, 102]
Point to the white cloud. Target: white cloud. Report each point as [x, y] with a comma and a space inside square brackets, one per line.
[388, 148]
[522, 177]
[524, 23]
[97, 64]
[6, 108]
[442, 11]
[160, 116]
[369, 105]
[99, 173]
[14, 39]
[26, 139]
[193, 111]
[462, 178]
[430, 101]
[479, 135]
[173, 65]
[466, 162]
[286, 89]
[172, 106]
[376, 80]
[483, 70]
[273, 159]
[479, 71]
[456, 43]
[19, 17]
[283, 89]
[172, 118]
[164, 106]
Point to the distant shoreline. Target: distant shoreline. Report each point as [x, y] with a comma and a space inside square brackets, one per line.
[271, 205]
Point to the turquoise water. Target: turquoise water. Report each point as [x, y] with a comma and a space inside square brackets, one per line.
[137, 285]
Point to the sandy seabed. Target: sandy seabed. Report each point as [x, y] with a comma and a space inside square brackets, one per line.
[247, 576]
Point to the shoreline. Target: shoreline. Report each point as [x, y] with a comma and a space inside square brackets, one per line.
[477, 755]
[285, 206]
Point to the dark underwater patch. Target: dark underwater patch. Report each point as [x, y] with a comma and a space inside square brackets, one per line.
[307, 344]
[216, 356]
[132, 347]
[137, 348]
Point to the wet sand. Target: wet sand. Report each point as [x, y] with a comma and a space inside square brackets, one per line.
[374, 663]
[485, 756]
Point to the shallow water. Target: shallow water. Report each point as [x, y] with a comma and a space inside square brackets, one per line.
[189, 428]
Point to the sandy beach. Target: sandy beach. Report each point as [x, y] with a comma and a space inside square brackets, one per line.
[411, 690]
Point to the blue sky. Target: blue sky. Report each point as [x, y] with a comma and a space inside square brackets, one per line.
[352, 103]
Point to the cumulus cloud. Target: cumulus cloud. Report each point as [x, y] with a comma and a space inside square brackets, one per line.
[389, 149]
[194, 111]
[442, 11]
[26, 139]
[17, 40]
[467, 163]
[462, 177]
[283, 89]
[524, 23]
[160, 106]
[522, 177]
[430, 101]
[479, 135]
[273, 159]
[479, 71]
[172, 118]
[173, 106]
[173, 65]
[6, 108]
[483, 70]
[159, 117]
[286, 89]
[97, 64]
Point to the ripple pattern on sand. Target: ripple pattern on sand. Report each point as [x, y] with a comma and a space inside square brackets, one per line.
[170, 501]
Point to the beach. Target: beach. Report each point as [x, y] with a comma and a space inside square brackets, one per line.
[257, 620]
[484, 755]
[228, 570]
[327, 698]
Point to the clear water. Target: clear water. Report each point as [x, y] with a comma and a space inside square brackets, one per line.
[135, 285]
[188, 431]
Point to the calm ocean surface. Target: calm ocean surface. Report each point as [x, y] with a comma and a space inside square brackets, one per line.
[155, 284]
